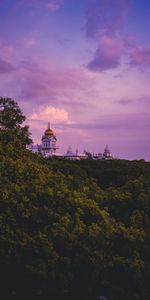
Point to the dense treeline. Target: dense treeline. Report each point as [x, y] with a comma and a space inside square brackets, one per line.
[70, 229]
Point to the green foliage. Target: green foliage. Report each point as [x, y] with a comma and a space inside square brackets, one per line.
[10, 114]
[13, 137]
[71, 229]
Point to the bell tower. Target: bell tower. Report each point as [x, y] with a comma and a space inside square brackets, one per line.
[107, 153]
[48, 142]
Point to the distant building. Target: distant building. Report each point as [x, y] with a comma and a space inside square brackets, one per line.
[48, 144]
[107, 154]
[48, 148]
[74, 155]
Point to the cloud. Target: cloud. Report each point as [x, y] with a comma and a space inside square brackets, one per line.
[106, 16]
[141, 100]
[52, 114]
[123, 128]
[6, 67]
[51, 5]
[104, 22]
[105, 19]
[54, 84]
[128, 123]
[107, 55]
[6, 50]
[54, 5]
[125, 101]
[58, 117]
[139, 56]
[29, 42]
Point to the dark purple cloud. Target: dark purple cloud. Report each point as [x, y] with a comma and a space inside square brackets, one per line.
[104, 22]
[140, 57]
[54, 85]
[142, 100]
[6, 67]
[105, 19]
[107, 55]
[125, 101]
[106, 16]
[101, 62]
[116, 123]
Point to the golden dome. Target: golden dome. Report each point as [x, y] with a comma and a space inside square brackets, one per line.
[49, 131]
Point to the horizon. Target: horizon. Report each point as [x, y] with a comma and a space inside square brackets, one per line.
[83, 66]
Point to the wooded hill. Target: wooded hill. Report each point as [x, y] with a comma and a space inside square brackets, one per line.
[70, 229]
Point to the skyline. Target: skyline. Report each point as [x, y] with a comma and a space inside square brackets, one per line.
[83, 66]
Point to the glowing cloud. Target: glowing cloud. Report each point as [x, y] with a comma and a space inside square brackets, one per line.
[52, 114]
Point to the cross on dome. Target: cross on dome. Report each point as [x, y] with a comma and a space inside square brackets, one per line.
[49, 131]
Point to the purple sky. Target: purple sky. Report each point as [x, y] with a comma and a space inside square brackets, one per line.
[83, 65]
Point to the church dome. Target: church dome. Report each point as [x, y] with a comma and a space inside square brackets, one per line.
[49, 131]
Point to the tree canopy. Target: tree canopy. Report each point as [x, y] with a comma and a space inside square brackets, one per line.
[10, 114]
[13, 136]
[71, 229]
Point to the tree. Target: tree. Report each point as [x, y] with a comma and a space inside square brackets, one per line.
[13, 136]
[10, 114]
[70, 229]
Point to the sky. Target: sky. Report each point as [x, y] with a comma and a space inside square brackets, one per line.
[83, 66]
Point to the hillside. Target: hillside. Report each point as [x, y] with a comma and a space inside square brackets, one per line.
[71, 229]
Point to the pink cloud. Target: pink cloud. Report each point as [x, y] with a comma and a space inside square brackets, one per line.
[140, 56]
[108, 54]
[50, 113]
[6, 50]
[105, 20]
[52, 82]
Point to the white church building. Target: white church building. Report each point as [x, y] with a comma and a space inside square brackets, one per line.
[48, 144]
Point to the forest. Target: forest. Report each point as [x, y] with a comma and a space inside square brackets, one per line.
[70, 229]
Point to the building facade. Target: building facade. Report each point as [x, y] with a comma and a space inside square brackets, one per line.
[48, 145]
[107, 153]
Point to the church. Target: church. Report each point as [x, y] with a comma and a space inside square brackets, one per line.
[48, 144]
[48, 148]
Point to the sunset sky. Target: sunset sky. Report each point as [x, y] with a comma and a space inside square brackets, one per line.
[84, 66]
